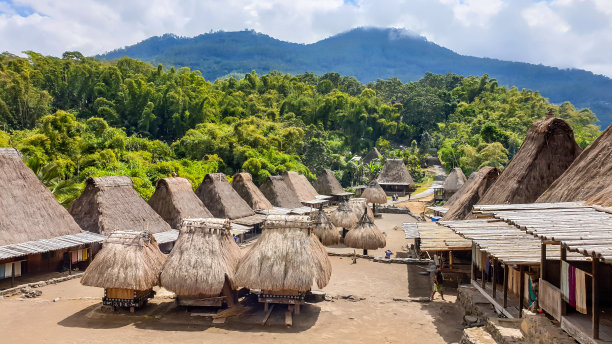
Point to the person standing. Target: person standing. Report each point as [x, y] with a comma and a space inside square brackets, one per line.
[438, 283]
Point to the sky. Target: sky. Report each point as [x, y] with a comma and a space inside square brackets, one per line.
[561, 33]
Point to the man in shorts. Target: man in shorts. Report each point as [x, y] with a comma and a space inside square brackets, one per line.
[438, 283]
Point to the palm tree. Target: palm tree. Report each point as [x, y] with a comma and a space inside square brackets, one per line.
[64, 190]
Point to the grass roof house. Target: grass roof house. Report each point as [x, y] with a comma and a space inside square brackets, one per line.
[461, 203]
[327, 184]
[324, 229]
[395, 179]
[300, 185]
[244, 186]
[453, 182]
[279, 194]
[548, 150]
[372, 155]
[174, 200]
[221, 199]
[365, 235]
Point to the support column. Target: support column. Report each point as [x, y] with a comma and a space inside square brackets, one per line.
[493, 278]
[563, 259]
[521, 289]
[472, 267]
[13, 276]
[543, 261]
[506, 285]
[595, 297]
[484, 277]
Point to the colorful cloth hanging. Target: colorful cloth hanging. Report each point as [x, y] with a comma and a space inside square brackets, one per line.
[581, 299]
[17, 267]
[74, 257]
[85, 254]
[571, 281]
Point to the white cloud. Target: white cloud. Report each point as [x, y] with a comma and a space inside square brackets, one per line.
[564, 33]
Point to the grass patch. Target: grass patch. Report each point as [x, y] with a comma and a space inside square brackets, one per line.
[424, 185]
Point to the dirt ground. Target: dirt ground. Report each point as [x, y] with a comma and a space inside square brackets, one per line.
[372, 316]
[417, 207]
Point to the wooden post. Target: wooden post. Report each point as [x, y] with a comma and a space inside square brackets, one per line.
[505, 285]
[521, 290]
[13, 276]
[493, 278]
[472, 268]
[595, 297]
[450, 258]
[563, 259]
[483, 276]
[543, 261]
[69, 263]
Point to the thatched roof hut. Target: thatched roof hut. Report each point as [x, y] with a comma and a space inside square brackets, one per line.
[372, 155]
[344, 216]
[454, 181]
[287, 256]
[327, 184]
[358, 206]
[395, 178]
[110, 203]
[204, 255]
[174, 200]
[548, 150]
[300, 185]
[279, 194]
[244, 186]
[221, 199]
[365, 235]
[374, 193]
[28, 210]
[324, 229]
[461, 203]
[128, 260]
[588, 177]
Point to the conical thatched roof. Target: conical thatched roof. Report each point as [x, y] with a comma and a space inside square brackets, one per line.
[358, 206]
[221, 199]
[365, 235]
[279, 194]
[394, 172]
[174, 200]
[372, 155]
[204, 254]
[128, 260]
[28, 210]
[300, 185]
[244, 186]
[454, 181]
[461, 203]
[287, 256]
[548, 150]
[324, 229]
[589, 177]
[374, 193]
[111, 203]
[344, 216]
[327, 184]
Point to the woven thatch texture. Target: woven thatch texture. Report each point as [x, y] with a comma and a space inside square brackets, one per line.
[111, 203]
[204, 254]
[588, 178]
[548, 150]
[395, 172]
[244, 186]
[128, 260]
[285, 257]
[344, 216]
[454, 181]
[327, 184]
[365, 235]
[28, 210]
[324, 229]
[374, 193]
[221, 199]
[372, 155]
[470, 193]
[300, 185]
[358, 206]
[279, 194]
[174, 200]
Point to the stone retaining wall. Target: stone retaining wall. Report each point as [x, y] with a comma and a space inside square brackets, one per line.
[17, 290]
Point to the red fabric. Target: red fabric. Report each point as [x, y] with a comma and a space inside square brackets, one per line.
[75, 257]
[572, 285]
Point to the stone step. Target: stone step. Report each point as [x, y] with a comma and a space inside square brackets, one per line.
[477, 335]
[506, 331]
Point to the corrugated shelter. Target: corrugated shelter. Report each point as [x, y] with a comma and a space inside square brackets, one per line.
[279, 194]
[459, 206]
[372, 155]
[327, 184]
[221, 199]
[395, 178]
[244, 186]
[110, 203]
[548, 150]
[300, 185]
[455, 180]
[174, 200]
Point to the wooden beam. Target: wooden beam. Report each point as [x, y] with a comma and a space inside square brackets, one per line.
[267, 315]
[521, 290]
[506, 285]
[543, 261]
[595, 297]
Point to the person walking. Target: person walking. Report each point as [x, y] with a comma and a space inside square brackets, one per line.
[438, 283]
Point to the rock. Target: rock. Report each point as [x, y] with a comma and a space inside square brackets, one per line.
[56, 299]
[345, 296]
[470, 319]
[328, 298]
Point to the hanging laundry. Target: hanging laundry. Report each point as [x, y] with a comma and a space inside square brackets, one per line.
[80, 255]
[564, 280]
[85, 254]
[8, 270]
[17, 268]
[581, 298]
[74, 256]
[571, 282]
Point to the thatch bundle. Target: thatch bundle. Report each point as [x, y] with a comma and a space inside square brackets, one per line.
[111, 203]
[28, 210]
[588, 177]
[454, 181]
[548, 150]
[324, 229]
[344, 216]
[358, 206]
[287, 256]
[327, 184]
[128, 260]
[300, 185]
[461, 204]
[279, 194]
[204, 255]
[174, 200]
[394, 172]
[244, 186]
[365, 235]
[221, 199]
[372, 155]
[374, 193]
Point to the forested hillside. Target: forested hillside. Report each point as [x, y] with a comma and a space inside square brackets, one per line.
[75, 117]
[368, 54]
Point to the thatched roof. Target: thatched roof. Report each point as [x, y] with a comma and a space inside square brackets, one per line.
[287, 256]
[548, 150]
[374, 193]
[128, 260]
[461, 203]
[394, 172]
[588, 178]
[174, 200]
[454, 181]
[344, 216]
[244, 186]
[324, 229]
[365, 235]
[221, 199]
[203, 256]
[327, 184]
[110, 203]
[279, 194]
[28, 210]
[358, 206]
[372, 155]
[300, 185]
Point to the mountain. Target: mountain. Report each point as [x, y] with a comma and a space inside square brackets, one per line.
[367, 54]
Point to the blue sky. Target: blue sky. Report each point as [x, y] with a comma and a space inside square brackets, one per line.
[562, 33]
